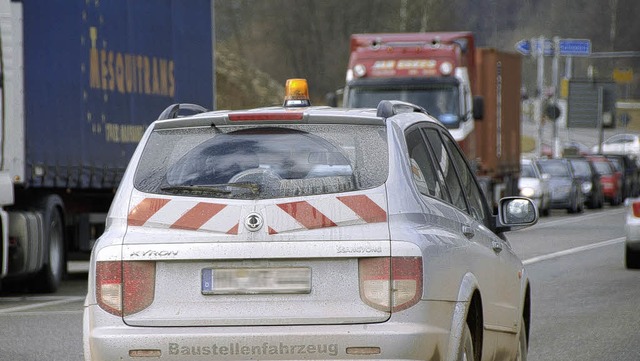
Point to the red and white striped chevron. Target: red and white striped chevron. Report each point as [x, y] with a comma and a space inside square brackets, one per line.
[313, 213]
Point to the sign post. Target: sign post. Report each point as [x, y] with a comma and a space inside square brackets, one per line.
[556, 47]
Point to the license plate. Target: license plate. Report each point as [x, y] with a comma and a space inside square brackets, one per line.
[239, 281]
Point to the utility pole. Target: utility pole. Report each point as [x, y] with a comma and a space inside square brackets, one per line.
[554, 99]
[538, 45]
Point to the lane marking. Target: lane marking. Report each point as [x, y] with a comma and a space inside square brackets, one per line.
[41, 313]
[572, 251]
[42, 304]
[579, 218]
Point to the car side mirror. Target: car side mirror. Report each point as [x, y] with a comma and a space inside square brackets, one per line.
[546, 176]
[515, 213]
[478, 107]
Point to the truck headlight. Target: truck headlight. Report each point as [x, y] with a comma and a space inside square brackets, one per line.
[359, 70]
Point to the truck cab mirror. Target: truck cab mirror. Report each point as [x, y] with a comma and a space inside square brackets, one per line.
[478, 107]
[334, 99]
[331, 99]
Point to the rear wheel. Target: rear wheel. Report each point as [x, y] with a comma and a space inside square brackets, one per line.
[521, 354]
[466, 346]
[632, 258]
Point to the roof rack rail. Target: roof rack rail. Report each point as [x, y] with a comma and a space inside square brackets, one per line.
[388, 108]
[172, 110]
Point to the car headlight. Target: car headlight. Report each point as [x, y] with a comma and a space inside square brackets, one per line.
[528, 192]
[586, 187]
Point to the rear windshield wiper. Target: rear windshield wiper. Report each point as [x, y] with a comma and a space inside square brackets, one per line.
[212, 189]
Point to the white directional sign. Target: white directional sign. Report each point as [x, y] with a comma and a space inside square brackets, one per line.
[574, 47]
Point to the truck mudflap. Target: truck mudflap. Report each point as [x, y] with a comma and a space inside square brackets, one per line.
[25, 255]
[4, 244]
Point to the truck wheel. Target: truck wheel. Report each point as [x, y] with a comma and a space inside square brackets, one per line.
[49, 277]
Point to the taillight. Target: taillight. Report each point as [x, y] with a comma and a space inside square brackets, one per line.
[636, 209]
[125, 298]
[252, 116]
[390, 284]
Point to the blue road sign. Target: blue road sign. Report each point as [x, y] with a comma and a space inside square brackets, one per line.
[575, 47]
[534, 46]
[524, 47]
[546, 45]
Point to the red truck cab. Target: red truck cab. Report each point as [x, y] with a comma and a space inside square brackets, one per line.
[433, 70]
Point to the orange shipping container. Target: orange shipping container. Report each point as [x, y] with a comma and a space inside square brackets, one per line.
[497, 135]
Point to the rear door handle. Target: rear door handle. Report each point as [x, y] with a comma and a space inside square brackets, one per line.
[496, 246]
[468, 231]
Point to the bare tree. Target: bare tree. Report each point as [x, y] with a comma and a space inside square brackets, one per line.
[310, 39]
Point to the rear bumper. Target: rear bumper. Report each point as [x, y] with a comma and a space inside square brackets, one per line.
[405, 336]
[632, 230]
[561, 203]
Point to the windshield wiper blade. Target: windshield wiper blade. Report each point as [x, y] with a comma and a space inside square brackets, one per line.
[195, 189]
[252, 186]
[213, 188]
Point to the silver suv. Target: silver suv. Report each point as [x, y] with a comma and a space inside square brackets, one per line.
[304, 232]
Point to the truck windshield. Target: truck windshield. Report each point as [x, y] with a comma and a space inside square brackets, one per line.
[263, 162]
[437, 99]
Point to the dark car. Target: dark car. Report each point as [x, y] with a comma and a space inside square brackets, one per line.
[566, 189]
[610, 178]
[629, 170]
[584, 169]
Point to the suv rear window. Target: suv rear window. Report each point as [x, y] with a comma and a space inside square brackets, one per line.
[263, 162]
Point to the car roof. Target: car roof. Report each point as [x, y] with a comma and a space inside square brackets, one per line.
[305, 115]
[562, 160]
[622, 136]
[598, 157]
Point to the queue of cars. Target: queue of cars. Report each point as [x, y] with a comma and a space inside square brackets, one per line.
[301, 232]
[575, 182]
[609, 173]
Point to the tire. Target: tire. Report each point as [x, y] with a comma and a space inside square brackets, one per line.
[616, 199]
[523, 342]
[600, 200]
[466, 345]
[581, 205]
[574, 206]
[545, 212]
[631, 258]
[48, 279]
